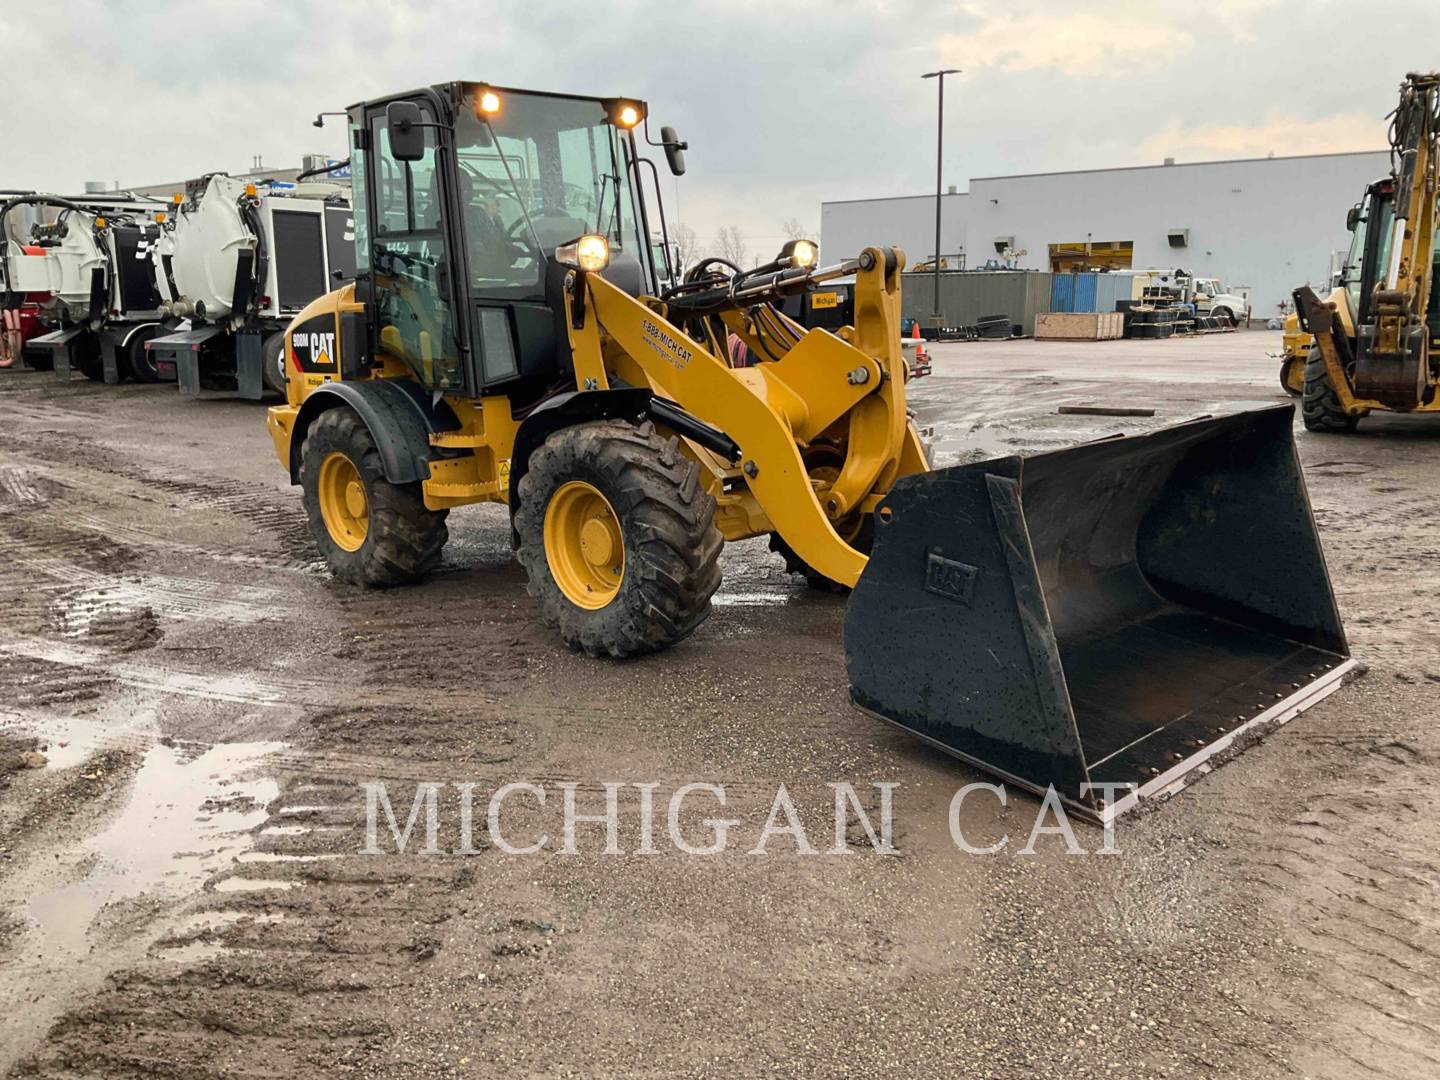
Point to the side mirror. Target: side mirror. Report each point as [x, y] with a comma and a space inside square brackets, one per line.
[674, 150]
[1352, 219]
[407, 136]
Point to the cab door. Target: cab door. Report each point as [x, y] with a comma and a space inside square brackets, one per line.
[411, 262]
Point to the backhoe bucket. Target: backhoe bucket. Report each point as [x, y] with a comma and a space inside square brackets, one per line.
[1119, 613]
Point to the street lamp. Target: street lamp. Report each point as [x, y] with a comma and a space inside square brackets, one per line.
[939, 170]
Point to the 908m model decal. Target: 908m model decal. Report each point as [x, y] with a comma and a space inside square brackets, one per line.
[313, 344]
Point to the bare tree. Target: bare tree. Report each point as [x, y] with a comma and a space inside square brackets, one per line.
[682, 236]
[731, 242]
[793, 230]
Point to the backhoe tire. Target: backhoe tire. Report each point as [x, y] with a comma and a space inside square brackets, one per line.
[371, 532]
[1319, 404]
[617, 537]
[272, 363]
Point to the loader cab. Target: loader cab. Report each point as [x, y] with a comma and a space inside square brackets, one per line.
[463, 192]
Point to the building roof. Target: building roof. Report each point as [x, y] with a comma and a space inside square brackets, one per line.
[1111, 169]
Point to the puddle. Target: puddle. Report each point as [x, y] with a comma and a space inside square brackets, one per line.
[186, 817]
[251, 884]
[97, 612]
[199, 921]
[286, 830]
[280, 856]
[309, 809]
[752, 599]
[194, 952]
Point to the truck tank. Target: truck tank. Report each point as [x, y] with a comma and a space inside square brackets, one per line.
[226, 254]
[59, 267]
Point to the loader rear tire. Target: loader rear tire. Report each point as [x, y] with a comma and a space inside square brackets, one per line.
[371, 532]
[1319, 405]
[617, 538]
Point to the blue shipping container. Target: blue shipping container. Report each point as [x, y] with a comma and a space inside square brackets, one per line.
[1073, 292]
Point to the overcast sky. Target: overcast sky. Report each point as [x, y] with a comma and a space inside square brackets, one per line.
[785, 104]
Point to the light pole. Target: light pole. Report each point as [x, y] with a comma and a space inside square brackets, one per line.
[936, 317]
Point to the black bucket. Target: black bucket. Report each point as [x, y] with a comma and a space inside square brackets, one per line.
[1116, 613]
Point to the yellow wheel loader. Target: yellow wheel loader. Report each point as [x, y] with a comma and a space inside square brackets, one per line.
[1105, 619]
[1370, 343]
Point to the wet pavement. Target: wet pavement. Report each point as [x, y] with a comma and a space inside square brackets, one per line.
[182, 889]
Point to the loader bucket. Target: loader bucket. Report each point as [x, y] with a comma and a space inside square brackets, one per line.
[1117, 613]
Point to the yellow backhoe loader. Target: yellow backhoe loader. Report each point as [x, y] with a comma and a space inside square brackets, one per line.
[1116, 614]
[1372, 339]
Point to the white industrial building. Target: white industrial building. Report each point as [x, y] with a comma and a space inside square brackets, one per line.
[1263, 226]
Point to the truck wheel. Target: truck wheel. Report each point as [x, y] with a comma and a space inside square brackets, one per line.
[1286, 366]
[272, 362]
[138, 361]
[371, 532]
[1318, 404]
[1224, 314]
[618, 538]
[87, 358]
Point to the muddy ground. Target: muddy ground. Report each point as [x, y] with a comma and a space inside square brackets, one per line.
[182, 888]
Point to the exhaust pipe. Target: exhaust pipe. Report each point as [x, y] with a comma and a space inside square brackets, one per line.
[1113, 616]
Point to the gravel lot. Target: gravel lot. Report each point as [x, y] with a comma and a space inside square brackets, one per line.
[182, 889]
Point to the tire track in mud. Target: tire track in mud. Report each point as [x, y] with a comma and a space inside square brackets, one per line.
[269, 511]
[1353, 869]
[1382, 554]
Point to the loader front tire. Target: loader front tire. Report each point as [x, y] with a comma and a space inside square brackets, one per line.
[823, 461]
[859, 537]
[371, 532]
[617, 538]
[1319, 404]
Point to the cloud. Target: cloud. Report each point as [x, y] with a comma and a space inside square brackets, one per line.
[1281, 134]
[783, 107]
[1082, 44]
[1112, 41]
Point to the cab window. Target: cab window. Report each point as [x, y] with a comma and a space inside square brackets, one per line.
[415, 313]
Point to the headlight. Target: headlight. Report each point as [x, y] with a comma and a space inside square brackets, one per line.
[590, 252]
[801, 253]
[488, 102]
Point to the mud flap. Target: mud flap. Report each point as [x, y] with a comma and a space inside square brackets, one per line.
[1119, 613]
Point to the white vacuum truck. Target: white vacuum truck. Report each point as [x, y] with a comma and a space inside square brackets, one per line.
[84, 264]
[237, 261]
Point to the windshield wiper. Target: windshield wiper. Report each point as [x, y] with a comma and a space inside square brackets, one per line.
[516, 189]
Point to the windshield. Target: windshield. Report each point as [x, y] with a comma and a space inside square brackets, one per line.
[538, 173]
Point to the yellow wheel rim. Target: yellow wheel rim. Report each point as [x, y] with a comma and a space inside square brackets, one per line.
[584, 545]
[343, 504]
